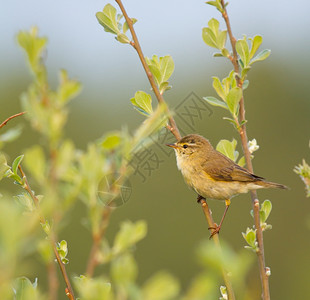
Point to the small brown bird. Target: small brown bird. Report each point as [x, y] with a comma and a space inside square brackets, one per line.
[213, 175]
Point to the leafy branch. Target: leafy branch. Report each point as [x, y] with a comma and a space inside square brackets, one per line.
[23, 182]
[230, 90]
[158, 72]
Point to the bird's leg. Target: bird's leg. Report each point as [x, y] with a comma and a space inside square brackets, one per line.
[218, 227]
[199, 198]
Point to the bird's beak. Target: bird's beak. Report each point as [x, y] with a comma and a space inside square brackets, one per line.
[172, 146]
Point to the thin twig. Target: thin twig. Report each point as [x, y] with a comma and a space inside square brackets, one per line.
[10, 118]
[209, 218]
[244, 140]
[93, 255]
[69, 290]
[136, 45]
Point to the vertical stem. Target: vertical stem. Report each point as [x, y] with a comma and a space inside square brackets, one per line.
[209, 218]
[244, 140]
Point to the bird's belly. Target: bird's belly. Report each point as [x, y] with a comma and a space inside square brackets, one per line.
[207, 187]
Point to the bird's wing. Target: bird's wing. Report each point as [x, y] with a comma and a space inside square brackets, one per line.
[223, 168]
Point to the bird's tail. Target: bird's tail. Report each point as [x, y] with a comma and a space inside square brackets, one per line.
[268, 184]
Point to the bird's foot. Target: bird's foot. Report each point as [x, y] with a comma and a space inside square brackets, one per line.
[216, 230]
[199, 198]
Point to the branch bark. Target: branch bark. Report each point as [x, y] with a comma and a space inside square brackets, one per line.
[10, 118]
[244, 140]
[208, 214]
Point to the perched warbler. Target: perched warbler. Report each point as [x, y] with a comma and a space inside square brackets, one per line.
[213, 175]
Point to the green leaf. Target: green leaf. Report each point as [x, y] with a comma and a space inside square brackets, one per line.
[162, 286]
[68, 88]
[166, 67]
[256, 42]
[3, 166]
[11, 134]
[156, 73]
[124, 269]
[225, 52]
[242, 48]
[164, 86]
[266, 207]
[261, 56]
[111, 140]
[217, 85]
[25, 201]
[143, 101]
[228, 149]
[92, 288]
[107, 18]
[129, 234]
[122, 38]
[33, 45]
[245, 84]
[16, 163]
[216, 102]
[244, 72]
[233, 98]
[35, 162]
[212, 36]
[241, 161]
[232, 121]
[25, 290]
[217, 4]
[250, 237]
[125, 25]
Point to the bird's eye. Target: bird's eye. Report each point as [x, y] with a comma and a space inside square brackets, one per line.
[185, 146]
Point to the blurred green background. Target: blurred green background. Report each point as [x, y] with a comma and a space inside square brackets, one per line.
[277, 108]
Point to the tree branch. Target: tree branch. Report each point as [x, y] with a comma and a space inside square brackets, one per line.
[244, 140]
[10, 118]
[69, 290]
[93, 260]
[136, 45]
[209, 218]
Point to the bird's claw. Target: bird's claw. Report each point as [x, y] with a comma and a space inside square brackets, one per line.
[216, 229]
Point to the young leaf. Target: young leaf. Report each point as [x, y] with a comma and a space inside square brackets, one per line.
[122, 38]
[217, 4]
[209, 37]
[242, 48]
[256, 42]
[217, 85]
[68, 88]
[143, 101]
[166, 67]
[233, 99]
[25, 290]
[125, 25]
[161, 286]
[216, 102]
[261, 56]
[228, 149]
[107, 18]
[16, 163]
[266, 208]
[3, 165]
